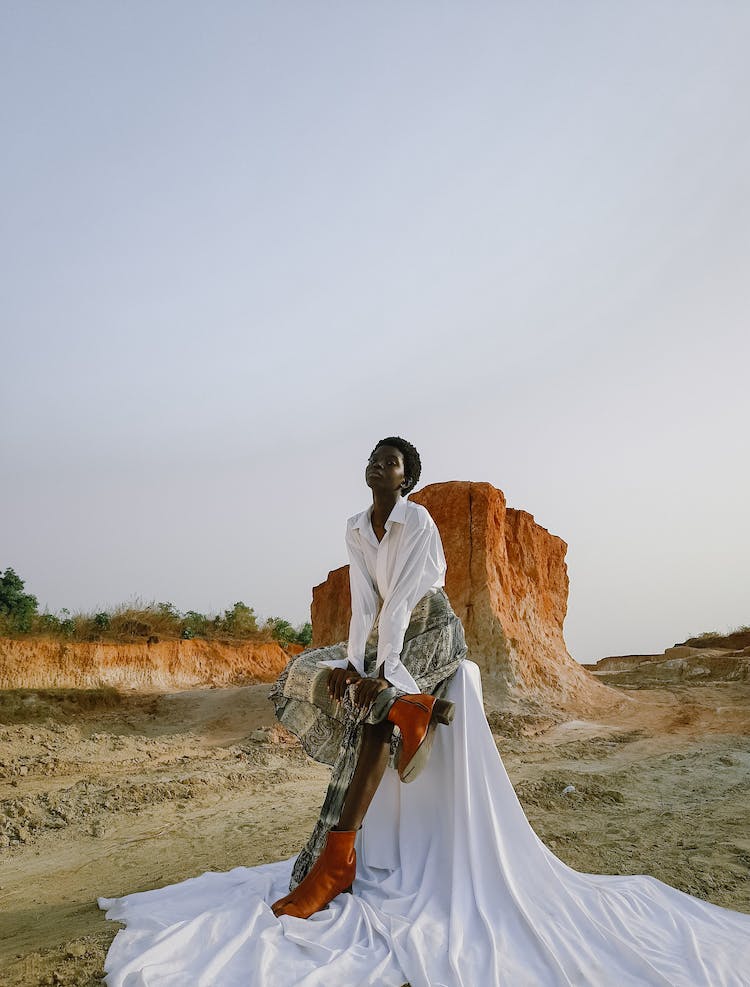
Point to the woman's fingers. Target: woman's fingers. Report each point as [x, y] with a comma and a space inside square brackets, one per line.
[350, 677]
[339, 681]
[341, 684]
[366, 692]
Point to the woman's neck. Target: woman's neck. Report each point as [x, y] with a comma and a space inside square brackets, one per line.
[382, 505]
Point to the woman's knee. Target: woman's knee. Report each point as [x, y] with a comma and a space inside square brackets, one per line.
[379, 731]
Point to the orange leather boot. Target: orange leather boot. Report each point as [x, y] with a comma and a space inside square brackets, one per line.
[332, 873]
[416, 717]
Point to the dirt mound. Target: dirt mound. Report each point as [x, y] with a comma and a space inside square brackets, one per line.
[44, 663]
[553, 790]
[681, 664]
[522, 720]
[37, 705]
[736, 641]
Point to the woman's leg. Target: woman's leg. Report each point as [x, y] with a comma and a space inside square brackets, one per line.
[418, 719]
[335, 868]
[371, 765]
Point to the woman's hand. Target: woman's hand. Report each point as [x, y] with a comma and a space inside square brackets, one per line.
[339, 680]
[367, 690]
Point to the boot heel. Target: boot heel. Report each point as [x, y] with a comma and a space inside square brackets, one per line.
[443, 711]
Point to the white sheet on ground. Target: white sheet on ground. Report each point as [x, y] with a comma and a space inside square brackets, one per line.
[453, 889]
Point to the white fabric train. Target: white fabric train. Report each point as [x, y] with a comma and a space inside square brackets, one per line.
[453, 889]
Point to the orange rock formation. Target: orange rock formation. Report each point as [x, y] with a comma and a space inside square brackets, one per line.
[507, 581]
[43, 663]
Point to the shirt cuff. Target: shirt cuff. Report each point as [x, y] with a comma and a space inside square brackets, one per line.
[359, 666]
[335, 662]
[395, 672]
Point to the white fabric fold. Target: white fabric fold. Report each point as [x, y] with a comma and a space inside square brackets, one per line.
[453, 889]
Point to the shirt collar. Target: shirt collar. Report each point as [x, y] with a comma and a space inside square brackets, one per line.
[398, 513]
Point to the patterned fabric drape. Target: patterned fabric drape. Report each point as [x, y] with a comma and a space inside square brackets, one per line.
[434, 646]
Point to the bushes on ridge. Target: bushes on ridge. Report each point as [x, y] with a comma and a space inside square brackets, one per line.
[138, 621]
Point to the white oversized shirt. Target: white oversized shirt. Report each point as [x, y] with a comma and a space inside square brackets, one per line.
[399, 570]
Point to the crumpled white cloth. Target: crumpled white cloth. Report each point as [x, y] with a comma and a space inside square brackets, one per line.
[453, 889]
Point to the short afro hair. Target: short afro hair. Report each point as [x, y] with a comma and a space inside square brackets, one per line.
[412, 462]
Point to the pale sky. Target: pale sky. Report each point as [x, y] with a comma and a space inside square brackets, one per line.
[243, 241]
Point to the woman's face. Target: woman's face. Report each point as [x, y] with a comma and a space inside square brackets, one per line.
[385, 470]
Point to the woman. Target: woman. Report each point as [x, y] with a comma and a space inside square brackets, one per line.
[404, 645]
[451, 886]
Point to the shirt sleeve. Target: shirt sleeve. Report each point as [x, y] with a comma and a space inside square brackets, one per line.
[419, 566]
[365, 602]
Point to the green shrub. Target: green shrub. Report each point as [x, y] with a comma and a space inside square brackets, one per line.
[194, 624]
[281, 630]
[240, 621]
[16, 607]
[67, 624]
[47, 623]
[102, 621]
[304, 634]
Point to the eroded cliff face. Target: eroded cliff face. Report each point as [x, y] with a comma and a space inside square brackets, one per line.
[39, 663]
[331, 608]
[507, 581]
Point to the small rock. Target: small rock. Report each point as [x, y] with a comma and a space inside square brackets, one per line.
[568, 789]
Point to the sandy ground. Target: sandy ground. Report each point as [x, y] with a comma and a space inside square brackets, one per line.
[103, 794]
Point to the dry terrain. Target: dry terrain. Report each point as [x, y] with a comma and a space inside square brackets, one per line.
[105, 793]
